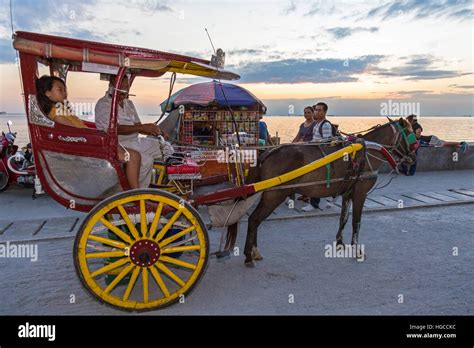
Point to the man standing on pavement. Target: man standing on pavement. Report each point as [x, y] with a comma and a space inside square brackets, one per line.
[129, 127]
[322, 130]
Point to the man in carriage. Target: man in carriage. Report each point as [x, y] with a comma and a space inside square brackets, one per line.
[151, 148]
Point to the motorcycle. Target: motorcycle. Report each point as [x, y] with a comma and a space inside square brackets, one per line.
[16, 166]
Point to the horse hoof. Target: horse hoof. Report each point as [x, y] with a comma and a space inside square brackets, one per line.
[250, 264]
[256, 254]
[340, 246]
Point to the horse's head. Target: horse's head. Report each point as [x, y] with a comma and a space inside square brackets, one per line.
[404, 144]
[398, 138]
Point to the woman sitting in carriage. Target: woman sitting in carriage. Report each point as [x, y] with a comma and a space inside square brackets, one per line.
[52, 99]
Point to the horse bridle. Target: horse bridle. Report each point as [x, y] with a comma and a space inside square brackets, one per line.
[400, 139]
[402, 145]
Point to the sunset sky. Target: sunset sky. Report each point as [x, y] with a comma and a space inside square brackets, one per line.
[354, 55]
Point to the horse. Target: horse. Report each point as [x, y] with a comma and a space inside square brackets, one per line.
[350, 177]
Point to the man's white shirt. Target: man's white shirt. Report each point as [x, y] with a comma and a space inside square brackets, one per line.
[127, 116]
[149, 148]
[326, 130]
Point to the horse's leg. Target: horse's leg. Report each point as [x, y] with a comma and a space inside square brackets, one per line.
[358, 198]
[268, 203]
[255, 252]
[346, 205]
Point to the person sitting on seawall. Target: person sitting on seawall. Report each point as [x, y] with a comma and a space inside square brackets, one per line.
[417, 129]
[322, 131]
[433, 140]
[52, 99]
[263, 135]
[130, 126]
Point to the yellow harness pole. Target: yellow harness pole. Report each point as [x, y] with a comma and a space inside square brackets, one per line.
[278, 180]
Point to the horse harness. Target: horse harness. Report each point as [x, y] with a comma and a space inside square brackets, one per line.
[355, 168]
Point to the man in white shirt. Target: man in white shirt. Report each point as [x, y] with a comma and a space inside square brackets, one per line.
[322, 130]
[129, 127]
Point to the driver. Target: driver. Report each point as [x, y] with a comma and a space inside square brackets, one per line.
[130, 126]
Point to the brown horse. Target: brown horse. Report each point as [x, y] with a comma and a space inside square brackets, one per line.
[350, 177]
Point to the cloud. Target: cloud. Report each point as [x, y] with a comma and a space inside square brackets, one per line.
[150, 5]
[251, 51]
[83, 34]
[32, 15]
[457, 9]
[418, 67]
[290, 8]
[342, 32]
[317, 9]
[306, 70]
[419, 92]
[462, 86]
[68, 17]
[442, 104]
[7, 53]
[333, 70]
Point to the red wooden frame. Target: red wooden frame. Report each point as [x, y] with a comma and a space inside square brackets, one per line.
[100, 145]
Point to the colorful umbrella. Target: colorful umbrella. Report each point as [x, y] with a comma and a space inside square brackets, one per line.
[214, 93]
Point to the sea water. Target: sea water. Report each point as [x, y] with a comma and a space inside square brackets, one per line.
[445, 128]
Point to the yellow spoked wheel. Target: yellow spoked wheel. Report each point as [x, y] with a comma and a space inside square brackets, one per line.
[143, 260]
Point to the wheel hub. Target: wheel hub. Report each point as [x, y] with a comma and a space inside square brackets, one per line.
[145, 253]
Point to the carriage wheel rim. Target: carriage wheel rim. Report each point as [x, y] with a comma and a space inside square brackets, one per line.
[133, 267]
[4, 178]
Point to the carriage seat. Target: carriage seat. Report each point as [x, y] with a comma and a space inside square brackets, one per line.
[187, 170]
[89, 124]
[187, 167]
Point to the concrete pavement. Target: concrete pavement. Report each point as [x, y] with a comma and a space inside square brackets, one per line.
[419, 261]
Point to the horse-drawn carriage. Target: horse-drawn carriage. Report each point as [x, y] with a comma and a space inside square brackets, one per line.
[137, 249]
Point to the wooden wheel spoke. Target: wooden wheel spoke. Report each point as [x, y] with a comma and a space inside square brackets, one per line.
[170, 274]
[105, 254]
[177, 262]
[176, 236]
[110, 242]
[170, 223]
[130, 225]
[180, 248]
[145, 284]
[156, 220]
[135, 282]
[118, 232]
[160, 282]
[143, 224]
[118, 278]
[110, 267]
[131, 284]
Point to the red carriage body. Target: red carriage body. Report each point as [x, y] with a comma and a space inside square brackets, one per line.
[78, 166]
